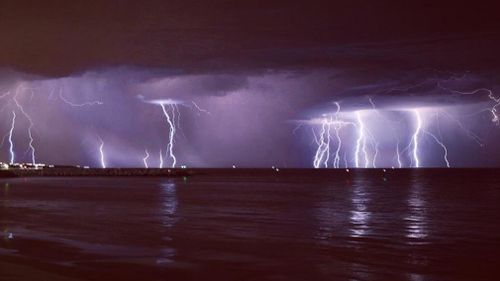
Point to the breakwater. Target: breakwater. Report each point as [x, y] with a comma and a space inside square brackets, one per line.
[95, 172]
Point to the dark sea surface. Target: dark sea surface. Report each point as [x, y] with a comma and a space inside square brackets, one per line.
[265, 225]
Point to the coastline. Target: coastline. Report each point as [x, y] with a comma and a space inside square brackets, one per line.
[230, 172]
[94, 172]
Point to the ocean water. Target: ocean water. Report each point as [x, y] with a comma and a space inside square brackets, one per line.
[298, 225]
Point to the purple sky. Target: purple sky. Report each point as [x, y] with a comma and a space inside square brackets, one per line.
[254, 81]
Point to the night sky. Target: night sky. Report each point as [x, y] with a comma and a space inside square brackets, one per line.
[250, 83]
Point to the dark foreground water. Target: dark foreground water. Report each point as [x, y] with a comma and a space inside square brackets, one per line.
[363, 225]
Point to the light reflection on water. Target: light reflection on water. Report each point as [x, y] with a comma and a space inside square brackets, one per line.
[416, 220]
[353, 227]
[168, 209]
[168, 197]
[360, 214]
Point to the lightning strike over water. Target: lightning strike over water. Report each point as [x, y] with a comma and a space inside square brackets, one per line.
[337, 126]
[415, 138]
[445, 149]
[379, 136]
[171, 136]
[398, 156]
[324, 142]
[145, 159]
[101, 152]
[161, 159]
[360, 142]
[323, 152]
[375, 127]
[172, 114]
[11, 143]
[336, 159]
[30, 134]
[374, 160]
[375, 130]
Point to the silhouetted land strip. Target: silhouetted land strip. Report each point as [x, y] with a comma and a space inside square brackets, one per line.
[94, 172]
[227, 172]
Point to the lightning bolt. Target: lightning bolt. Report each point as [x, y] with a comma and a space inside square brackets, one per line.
[171, 136]
[297, 127]
[22, 110]
[337, 126]
[11, 132]
[469, 133]
[145, 159]
[30, 134]
[328, 122]
[201, 109]
[374, 160]
[445, 156]
[101, 152]
[376, 146]
[336, 159]
[73, 104]
[315, 137]
[327, 146]
[170, 110]
[398, 156]
[323, 151]
[439, 140]
[366, 145]
[161, 159]
[360, 142]
[493, 109]
[415, 138]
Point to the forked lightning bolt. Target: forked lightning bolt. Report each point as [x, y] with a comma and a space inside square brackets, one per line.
[360, 142]
[337, 126]
[73, 104]
[496, 100]
[328, 122]
[30, 134]
[171, 136]
[323, 152]
[171, 112]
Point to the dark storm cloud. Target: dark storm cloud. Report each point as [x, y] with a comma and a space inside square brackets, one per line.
[185, 86]
[63, 37]
[413, 89]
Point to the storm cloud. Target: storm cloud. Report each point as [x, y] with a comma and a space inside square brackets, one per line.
[246, 74]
